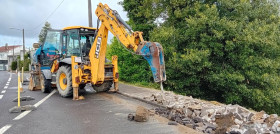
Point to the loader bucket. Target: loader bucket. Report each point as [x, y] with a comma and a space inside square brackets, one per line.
[153, 53]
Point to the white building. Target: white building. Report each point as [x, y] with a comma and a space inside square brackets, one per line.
[6, 55]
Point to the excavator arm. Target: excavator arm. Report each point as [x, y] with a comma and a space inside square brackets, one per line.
[111, 21]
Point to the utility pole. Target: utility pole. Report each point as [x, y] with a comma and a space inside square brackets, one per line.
[89, 14]
[13, 53]
[23, 42]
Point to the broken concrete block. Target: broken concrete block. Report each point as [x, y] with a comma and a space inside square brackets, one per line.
[265, 116]
[201, 129]
[236, 131]
[232, 109]
[271, 120]
[197, 112]
[187, 112]
[276, 126]
[206, 118]
[249, 118]
[195, 107]
[172, 123]
[251, 131]
[235, 126]
[221, 130]
[142, 114]
[197, 119]
[130, 117]
[258, 116]
[238, 122]
[225, 120]
[204, 112]
[171, 115]
[220, 111]
[189, 125]
[209, 131]
[238, 116]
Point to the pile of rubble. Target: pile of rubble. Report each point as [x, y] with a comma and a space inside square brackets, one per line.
[213, 117]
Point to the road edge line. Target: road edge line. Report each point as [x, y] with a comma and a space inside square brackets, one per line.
[36, 105]
[44, 99]
[5, 128]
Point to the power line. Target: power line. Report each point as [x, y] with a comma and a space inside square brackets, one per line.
[48, 16]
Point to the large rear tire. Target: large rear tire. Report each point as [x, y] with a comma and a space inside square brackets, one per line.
[103, 87]
[46, 85]
[64, 81]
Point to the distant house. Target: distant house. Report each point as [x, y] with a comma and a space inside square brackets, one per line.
[5, 55]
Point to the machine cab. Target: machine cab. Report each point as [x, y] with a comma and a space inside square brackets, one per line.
[71, 41]
[51, 48]
[78, 40]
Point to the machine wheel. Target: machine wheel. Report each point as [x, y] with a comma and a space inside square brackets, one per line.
[46, 85]
[103, 87]
[64, 81]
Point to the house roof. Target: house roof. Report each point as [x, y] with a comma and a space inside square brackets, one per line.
[7, 48]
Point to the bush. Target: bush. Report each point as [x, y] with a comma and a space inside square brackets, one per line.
[220, 50]
[14, 65]
[22, 63]
[132, 68]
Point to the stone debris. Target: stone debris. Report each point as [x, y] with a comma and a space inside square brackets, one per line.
[130, 117]
[172, 123]
[142, 114]
[213, 117]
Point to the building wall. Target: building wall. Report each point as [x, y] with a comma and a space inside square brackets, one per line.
[7, 56]
[3, 65]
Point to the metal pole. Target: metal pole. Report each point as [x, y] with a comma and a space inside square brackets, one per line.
[89, 14]
[13, 53]
[18, 89]
[18, 64]
[23, 42]
[22, 75]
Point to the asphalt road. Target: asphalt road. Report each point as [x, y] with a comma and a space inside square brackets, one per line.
[101, 113]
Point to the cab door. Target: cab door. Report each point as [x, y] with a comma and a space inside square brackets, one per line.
[51, 48]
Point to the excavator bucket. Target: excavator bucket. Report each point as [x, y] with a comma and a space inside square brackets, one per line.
[153, 53]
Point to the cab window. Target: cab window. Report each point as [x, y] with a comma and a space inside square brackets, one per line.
[51, 47]
[73, 48]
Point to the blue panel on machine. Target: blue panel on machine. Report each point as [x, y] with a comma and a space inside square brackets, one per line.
[153, 53]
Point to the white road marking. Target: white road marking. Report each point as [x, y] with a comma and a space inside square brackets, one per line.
[44, 99]
[5, 87]
[9, 79]
[1, 96]
[36, 105]
[7, 84]
[4, 91]
[22, 115]
[5, 128]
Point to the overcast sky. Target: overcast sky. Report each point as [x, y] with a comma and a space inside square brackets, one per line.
[32, 14]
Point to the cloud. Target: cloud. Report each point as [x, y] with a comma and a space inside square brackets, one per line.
[29, 14]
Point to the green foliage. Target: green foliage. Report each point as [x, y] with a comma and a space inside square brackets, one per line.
[22, 63]
[44, 32]
[224, 50]
[14, 65]
[25, 63]
[131, 67]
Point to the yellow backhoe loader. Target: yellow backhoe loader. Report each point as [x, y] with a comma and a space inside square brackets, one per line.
[75, 56]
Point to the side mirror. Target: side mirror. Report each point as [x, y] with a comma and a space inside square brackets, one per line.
[36, 45]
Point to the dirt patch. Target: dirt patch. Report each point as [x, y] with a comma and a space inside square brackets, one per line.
[181, 129]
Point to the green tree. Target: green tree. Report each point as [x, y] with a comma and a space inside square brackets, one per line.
[44, 32]
[224, 50]
[14, 65]
[133, 68]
